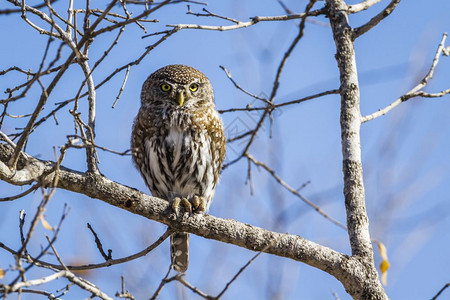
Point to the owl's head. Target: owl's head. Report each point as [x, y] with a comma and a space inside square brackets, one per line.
[179, 87]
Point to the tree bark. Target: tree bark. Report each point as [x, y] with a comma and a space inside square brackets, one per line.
[368, 285]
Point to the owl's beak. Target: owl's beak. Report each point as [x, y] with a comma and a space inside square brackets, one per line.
[180, 98]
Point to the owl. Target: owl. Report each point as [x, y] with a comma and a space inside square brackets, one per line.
[178, 145]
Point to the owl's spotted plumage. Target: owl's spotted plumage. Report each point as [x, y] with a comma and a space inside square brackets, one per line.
[178, 143]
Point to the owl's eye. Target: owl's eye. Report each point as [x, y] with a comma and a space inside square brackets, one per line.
[165, 87]
[193, 87]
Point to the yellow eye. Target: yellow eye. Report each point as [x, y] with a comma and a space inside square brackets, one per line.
[193, 87]
[165, 87]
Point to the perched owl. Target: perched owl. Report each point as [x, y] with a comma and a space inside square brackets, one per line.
[178, 144]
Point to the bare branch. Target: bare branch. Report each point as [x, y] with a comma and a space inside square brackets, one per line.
[253, 21]
[294, 191]
[5, 138]
[275, 106]
[11, 11]
[294, 43]
[50, 242]
[45, 94]
[62, 104]
[268, 111]
[361, 6]
[192, 288]
[83, 283]
[211, 14]
[108, 263]
[415, 91]
[122, 87]
[440, 291]
[18, 196]
[161, 285]
[125, 293]
[375, 20]
[72, 138]
[240, 88]
[350, 121]
[99, 245]
[240, 271]
[130, 20]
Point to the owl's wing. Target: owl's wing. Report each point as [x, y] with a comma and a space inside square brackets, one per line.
[218, 143]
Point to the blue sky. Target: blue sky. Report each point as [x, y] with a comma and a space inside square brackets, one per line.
[406, 154]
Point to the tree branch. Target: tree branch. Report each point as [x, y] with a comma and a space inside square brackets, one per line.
[361, 6]
[226, 230]
[375, 20]
[415, 91]
[253, 21]
[440, 291]
[357, 219]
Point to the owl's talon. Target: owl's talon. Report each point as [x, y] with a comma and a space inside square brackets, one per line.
[176, 206]
[198, 204]
[177, 202]
[187, 206]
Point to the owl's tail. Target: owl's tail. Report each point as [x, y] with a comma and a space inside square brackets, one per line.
[179, 251]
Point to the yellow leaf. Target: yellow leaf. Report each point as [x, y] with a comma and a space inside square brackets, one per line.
[384, 278]
[45, 223]
[384, 265]
[2, 273]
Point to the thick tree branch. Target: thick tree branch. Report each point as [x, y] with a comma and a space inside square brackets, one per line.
[357, 222]
[357, 219]
[226, 230]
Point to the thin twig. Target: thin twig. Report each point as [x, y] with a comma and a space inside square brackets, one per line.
[125, 293]
[45, 94]
[211, 14]
[253, 21]
[23, 194]
[275, 86]
[243, 268]
[192, 288]
[440, 291]
[131, 20]
[18, 10]
[122, 87]
[99, 244]
[56, 253]
[22, 252]
[73, 137]
[43, 99]
[275, 106]
[109, 263]
[242, 89]
[161, 284]
[295, 192]
[148, 49]
[415, 91]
